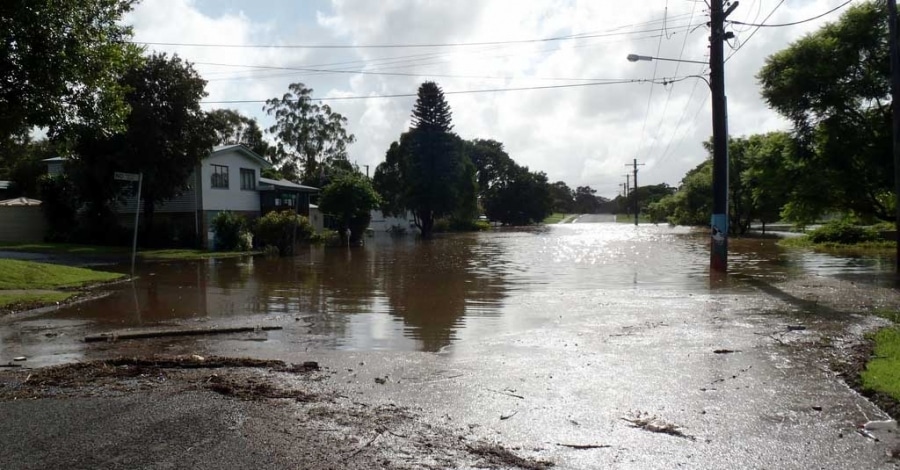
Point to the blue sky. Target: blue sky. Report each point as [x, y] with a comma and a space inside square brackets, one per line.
[581, 135]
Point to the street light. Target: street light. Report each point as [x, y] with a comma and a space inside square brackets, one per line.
[636, 57]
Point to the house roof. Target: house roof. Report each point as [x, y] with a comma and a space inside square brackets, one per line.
[20, 201]
[243, 150]
[266, 184]
[54, 159]
[5, 184]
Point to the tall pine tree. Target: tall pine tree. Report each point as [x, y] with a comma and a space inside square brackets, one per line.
[426, 171]
[431, 112]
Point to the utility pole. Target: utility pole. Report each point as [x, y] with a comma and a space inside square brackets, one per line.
[627, 191]
[719, 223]
[637, 208]
[895, 94]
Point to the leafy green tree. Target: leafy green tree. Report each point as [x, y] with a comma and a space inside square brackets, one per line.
[60, 62]
[491, 162]
[519, 197]
[307, 134]
[834, 86]
[350, 198]
[563, 197]
[232, 127]
[586, 201]
[24, 165]
[388, 178]
[166, 136]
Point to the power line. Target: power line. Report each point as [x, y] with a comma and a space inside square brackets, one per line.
[461, 92]
[649, 96]
[669, 91]
[743, 43]
[401, 74]
[589, 35]
[763, 25]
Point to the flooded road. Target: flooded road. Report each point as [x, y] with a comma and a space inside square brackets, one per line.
[538, 338]
[402, 294]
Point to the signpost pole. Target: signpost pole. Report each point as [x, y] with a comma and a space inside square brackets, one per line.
[137, 214]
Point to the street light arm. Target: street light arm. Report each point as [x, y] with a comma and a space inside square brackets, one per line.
[636, 57]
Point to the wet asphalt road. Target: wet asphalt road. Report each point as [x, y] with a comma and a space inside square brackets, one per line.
[568, 367]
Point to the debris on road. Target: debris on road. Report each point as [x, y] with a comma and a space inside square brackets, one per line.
[20, 358]
[584, 446]
[505, 417]
[724, 351]
[507, 393]
[796, 327]
[888, 425]
[651, 423]
[497, 455]
[167, 333]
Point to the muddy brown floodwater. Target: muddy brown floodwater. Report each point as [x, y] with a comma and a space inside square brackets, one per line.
[585, 345]
[401, 294]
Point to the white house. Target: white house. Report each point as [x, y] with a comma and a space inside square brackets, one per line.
[229, 179]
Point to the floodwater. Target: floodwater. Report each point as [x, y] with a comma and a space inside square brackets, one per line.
[402, 294]
[535, 338]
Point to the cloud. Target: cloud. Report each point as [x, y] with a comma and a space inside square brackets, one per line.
[581, 135]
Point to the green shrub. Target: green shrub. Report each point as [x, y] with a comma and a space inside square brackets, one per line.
[231, 231]
[843, 232]
[326, 237]
[282, 230]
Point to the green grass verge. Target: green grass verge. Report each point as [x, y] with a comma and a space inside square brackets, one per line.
[15, 274]
[32, 298]
[96, 250]
[882, 373]
[188, 254]
[555, 218]
[65, 248]
[883, 247]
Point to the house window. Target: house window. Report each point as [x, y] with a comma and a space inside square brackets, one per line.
[248, 179]
[219, 177]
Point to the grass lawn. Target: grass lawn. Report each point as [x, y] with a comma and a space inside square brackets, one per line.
[554, 218]
[15, 274]
[96, 250]
[32, 298]
[189, 254]
[65, 248]
[882, 373]
[883, 247]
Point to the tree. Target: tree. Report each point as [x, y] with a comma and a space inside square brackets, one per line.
[166, 136]
[24, 165]
[519, 197]
[585, 200]
[307, 134]
[563, 197]
[427, 170]
[350, 198]
[491, 161]
[431, 112]
[231, 127]
[834, 85]
[388, 178]
[60, 62]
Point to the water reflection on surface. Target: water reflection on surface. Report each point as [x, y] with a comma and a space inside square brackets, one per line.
[401, 293]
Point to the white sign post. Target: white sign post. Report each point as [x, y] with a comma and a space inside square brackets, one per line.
[139, 177]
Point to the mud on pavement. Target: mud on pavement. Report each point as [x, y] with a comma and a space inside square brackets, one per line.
[213, 412]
